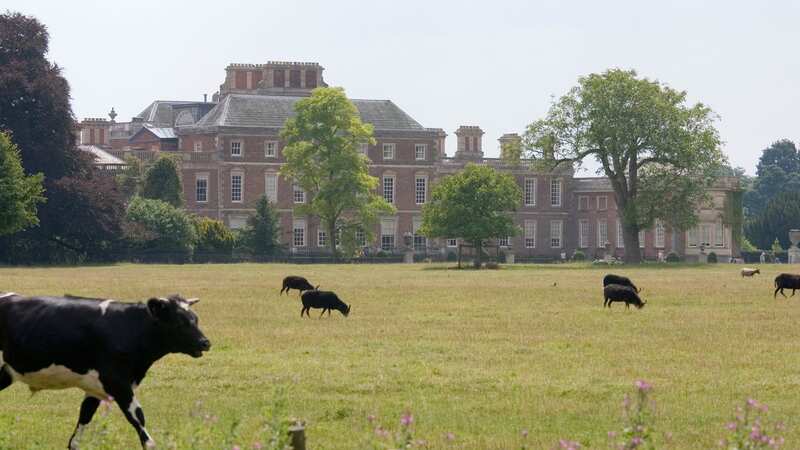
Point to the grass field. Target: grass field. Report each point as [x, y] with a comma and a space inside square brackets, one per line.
[483, 355]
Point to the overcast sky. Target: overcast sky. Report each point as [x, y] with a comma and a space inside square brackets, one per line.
[496, 64]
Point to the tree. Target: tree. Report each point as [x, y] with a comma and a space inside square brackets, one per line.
[781, 214]
[475, 205]
[778, 171]
[19, 194]
[162, 181]
[659, 154]
[35, 102]
[214, 239]
[260, 236]
[322, 157]
[131, 178]
[160, 232]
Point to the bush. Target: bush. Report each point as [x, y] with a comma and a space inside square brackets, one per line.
[157, 231]
[579, 256]
[215, 241]
[260, 236]
[712, 257]
[673, 257]
[162, 181]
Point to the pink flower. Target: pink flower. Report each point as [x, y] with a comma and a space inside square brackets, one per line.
[407, 419]
[612, 434]
[257, 446]
[236, 447]
[371, 418]
[731, 426]
[524, 433]
[643, 386]
[450, 436]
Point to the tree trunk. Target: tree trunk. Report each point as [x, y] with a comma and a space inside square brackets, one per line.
[478, 253]
[630, 235]
[332, 240]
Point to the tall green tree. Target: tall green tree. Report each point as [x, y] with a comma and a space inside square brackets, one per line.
[321, 152]
[162, 181]
[159, 231]
[131, 178]
[475, 204]
[780, 215]
[260, 236]
[19, 194]
[659, 153]
[778, 171]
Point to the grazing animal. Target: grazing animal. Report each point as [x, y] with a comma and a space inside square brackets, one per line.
[786, 281]
[326, 300]
[622, 293]
[295, 282]
[103, 347]
[747, 272]
[619, 279]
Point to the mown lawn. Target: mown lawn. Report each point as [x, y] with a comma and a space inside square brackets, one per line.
[483, 355]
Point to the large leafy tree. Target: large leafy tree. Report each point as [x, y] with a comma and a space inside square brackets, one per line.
[158, 231]
[19, 194]
[778, 171]
[322, 157]
[475, 204]
[659, 153]
[162, 181]
[781, 214]
[260, 236]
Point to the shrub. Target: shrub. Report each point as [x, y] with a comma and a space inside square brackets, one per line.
[162, 181]
[673, 257]
[712, 257]
[157, 231]
[260, 237]
[214, 240]
[579, 256]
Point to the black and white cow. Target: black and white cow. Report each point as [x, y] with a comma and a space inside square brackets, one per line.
[103, 347]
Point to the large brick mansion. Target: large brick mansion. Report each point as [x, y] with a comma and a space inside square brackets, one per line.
[231, 152]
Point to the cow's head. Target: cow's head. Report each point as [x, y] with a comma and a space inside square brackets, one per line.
[179, 325]
[641, 304]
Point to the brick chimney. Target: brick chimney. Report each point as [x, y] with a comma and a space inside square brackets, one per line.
[273, 78]
[470, 142]
[510, 146]
[95, 131]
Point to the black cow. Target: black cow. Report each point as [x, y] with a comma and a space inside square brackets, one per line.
[621, 293]
[786, 281]
[322, 299]
[103, 347]
[619, 279]
[295, 282]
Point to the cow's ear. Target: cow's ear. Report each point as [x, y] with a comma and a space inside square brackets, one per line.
[158, 307]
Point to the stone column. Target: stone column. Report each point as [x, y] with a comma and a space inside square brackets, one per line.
[794, 252]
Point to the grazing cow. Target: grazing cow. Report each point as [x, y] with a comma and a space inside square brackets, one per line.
[621, 293]
[619, 279]
[786, 281]
[103, 347]
[322, 299]
[748, 272]
[295, 282]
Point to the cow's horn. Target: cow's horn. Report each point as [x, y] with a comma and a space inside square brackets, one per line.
[192, 301]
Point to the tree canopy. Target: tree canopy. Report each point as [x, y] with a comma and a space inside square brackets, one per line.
[162, 181]
[474, 205]
[780, 215]
[778, 171]
[322, 157]
[659, 153]
[19, 194]
[260, 236]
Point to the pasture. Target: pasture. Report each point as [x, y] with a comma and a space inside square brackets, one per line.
[480, 354]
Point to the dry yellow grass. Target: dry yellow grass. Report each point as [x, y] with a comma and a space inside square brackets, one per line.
[483, 354]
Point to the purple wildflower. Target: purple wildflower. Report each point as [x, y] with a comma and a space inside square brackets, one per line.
[643, 386]
[407, 419]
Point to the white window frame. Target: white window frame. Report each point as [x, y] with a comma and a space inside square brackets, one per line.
[298, 199]
[420, 242]
[602, 233]
[556, 233]
[691, 237]
[530, 234]
[241, 187]
[451, 242]
[197, 180]
[602, 205]
[420, 189]
[322, 238]
[239, 146]
[719, 234]
[583, 233]
[363, 148]
[660, 239]
[198, 146]
[555, 193]
[360, 237]
[388, 234]
[273, 145]
[706, 230]
[583, 200]
[529, 186]
[390, 189]
[620, 234]
[504, 242]
[388, 151]
[420, 152]
[271, 197]
[299, 240]
[642, 237]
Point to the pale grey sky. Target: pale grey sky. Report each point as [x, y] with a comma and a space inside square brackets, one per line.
[495, 64]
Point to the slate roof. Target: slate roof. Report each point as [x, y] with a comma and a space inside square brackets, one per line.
[162, 133]
[160, 112]
[597, 184]
[267, 111]
[101, 156]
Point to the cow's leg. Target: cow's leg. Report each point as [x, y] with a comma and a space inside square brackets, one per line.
[775, 295]
[133, 412]
[5, 378]
[302, 311]
[784, 295]
[792, 293]
[88, 408]
[323, 313]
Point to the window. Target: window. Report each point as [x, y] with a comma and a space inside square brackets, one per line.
[270, 149]
[452, 242]
[602, 203]
[719, 235]
[420, 241]
[620, 235]
[583, 203]
[363, 148]
[236, 148]
[530, 234]
[660, 234]
[641, 238]
[236, 187]
[294, 78]
[555, 192]
[530, 191]
[691, 237]
[387, 234]
[198, 146]
[361, 238]
[271, 187]
[705, 234]
[299, 233]
[419, 152]
[388, 189]
[555, 233]
[388, 151]
[503, 241]
[201, 189]
[602, 233]
[298, 194]
[420, 189]
[322, 238]
[583, 230]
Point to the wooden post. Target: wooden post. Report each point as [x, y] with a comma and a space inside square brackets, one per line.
[459, 255]
[297, 437]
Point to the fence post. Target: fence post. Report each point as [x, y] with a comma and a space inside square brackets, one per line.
[297, 437]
